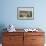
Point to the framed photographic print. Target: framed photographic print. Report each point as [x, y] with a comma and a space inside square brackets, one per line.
[25, 13]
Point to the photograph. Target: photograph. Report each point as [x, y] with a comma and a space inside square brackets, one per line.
[25, 13]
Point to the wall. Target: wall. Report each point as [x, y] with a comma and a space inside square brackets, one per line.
[9, 13]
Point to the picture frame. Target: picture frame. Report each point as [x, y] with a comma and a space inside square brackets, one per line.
[25, 13]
